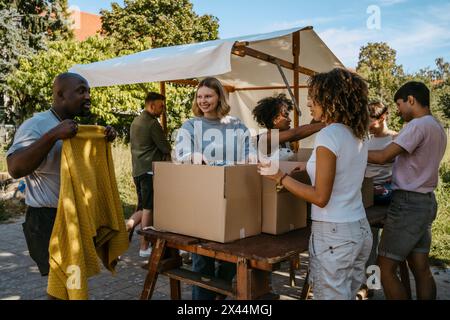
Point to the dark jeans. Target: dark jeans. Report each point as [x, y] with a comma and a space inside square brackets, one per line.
[37, 229]
[206, 266]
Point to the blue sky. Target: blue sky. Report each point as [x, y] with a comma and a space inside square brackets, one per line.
[419, 30]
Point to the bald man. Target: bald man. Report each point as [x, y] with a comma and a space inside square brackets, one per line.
[36, 155]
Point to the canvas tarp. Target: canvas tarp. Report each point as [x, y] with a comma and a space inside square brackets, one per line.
[215, 58]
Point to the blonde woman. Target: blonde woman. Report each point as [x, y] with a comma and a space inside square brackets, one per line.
[212, 138]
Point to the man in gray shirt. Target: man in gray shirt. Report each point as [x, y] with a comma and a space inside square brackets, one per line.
[36, 155]
[148, 144]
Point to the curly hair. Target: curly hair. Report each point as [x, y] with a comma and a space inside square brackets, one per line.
[343, 96]
[268, 109]
[223, 107]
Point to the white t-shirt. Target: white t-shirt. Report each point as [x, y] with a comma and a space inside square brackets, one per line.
[42, 186]
[345, 203]
[380, 172]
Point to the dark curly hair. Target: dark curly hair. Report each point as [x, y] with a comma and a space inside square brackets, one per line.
[343, 97]
[268, 109]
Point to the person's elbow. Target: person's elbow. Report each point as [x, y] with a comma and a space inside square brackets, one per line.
[322, 201]
[13, 170]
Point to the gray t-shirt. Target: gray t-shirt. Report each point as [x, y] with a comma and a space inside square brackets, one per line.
[221, 141]
[42, 186]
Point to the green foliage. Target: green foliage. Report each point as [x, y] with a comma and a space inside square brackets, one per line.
[440, 248]
[377, 64]
[143, 24]
[30, 87]
[13, 42]
[444, 102]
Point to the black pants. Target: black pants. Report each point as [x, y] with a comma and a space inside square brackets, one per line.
[38, 228]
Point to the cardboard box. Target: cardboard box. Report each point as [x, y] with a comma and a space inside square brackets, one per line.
[303, 154]
[221, 204]
[282, 211]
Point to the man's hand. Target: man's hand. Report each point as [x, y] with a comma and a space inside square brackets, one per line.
[65, 130]
[110, 133]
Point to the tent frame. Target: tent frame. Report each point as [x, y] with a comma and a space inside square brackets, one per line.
[241, 49]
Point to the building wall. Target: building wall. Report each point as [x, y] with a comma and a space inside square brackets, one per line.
[85, 24]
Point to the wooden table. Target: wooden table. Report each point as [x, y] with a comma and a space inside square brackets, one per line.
[255, 257]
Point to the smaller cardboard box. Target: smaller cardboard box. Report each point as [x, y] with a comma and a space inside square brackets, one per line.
[281, 210]
[218, 203]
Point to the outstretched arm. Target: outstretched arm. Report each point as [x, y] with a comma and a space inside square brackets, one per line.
[386, 155]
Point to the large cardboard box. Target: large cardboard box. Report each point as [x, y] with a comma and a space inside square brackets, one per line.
[281, 210]
[221, 204]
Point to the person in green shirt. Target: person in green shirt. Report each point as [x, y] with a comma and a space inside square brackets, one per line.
[148, 144]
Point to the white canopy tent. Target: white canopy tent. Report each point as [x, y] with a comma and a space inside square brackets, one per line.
[249, 67]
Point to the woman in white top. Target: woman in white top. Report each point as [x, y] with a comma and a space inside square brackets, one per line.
[340, 240]
[272, 113]
[381, 137]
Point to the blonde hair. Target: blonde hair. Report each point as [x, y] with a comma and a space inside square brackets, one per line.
[343, 96]
[223, 108]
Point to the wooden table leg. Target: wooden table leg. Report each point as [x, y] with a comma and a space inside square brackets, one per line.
[175, 289]
[294, 263]
[153, 263]
[404, 276]
[242, 276]
[306, 288]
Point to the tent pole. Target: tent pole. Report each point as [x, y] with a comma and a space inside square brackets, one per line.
[296, 53]
[162, 90]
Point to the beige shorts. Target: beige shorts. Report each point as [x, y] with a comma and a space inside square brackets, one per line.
[338, 255]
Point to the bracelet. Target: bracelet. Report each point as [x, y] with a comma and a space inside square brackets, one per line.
[280, 182]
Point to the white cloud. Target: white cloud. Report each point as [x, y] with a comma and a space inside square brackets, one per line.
[302, 22]
[440, 12]
[386, 3]
[409, 43]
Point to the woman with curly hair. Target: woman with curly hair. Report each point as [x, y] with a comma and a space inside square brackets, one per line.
[340, 240]
[272, 113]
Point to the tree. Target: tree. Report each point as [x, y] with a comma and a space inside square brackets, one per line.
[144, 24]
[42, 19]
[13, 42]
[30, 86]
[377, 64]
[25, 26]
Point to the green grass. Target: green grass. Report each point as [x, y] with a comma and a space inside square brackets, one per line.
[122, 164]
[3, 167]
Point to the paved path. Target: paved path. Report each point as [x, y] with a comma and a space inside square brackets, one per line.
[20, 278]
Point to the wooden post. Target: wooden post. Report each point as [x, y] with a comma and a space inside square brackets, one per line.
[296, 54]
[162, 90]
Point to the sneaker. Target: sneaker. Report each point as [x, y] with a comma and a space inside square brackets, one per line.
[145, 253]
[186, 257]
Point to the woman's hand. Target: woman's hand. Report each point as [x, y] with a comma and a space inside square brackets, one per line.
[301, 167]
[266, 170]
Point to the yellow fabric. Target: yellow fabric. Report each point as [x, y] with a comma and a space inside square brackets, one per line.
[89, 224]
